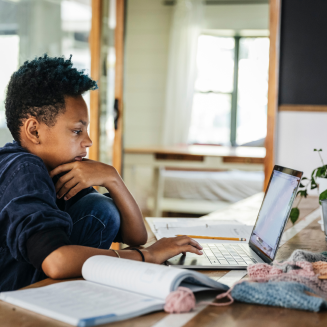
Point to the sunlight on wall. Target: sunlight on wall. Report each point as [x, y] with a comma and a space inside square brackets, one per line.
[8, 64]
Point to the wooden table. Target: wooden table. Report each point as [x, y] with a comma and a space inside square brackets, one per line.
[190, 157]
[237, 315]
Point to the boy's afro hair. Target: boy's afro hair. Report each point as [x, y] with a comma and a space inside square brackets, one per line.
[38, 88]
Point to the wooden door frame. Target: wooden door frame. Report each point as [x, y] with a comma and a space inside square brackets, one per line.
[273, 83]
[117, 159]
[95, 101]
[95, 49]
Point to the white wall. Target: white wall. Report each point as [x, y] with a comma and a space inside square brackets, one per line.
[146, 55]
[237, 17]
[298, 133]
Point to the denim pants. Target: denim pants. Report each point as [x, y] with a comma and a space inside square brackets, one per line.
[96, 221]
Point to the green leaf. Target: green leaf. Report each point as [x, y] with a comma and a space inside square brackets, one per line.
[321, 172]
[303, 193]
[313, 172]
[304, 178]
[322, 196]
[294, 215]
[313, 186]
[320, 150]
[314, 149]
[301, 185]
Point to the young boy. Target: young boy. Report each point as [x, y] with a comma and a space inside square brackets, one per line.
[51, 218]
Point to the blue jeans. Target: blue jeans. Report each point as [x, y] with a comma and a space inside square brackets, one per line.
[96, 221]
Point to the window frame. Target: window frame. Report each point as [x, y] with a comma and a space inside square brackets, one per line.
[234, 93]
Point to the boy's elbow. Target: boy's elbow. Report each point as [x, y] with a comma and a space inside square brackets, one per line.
[143, 239]
[53, 272]
[53, 265]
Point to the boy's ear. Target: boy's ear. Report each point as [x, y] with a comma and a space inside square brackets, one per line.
[31, 128]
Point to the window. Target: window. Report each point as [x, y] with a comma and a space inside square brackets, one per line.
[8, 64]
[31, 28]
[230, 99]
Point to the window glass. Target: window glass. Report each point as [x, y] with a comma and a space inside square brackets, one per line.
[30, 28]
[214, 90]
[215, 64]
[252, 90]
[8, 64]
[210, 122]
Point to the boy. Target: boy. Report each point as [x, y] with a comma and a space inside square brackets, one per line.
[51, 218]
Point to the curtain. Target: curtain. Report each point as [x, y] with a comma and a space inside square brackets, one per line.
[185, 29]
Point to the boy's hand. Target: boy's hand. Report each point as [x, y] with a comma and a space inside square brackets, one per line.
[167, 248]
[86, 173]
[81, 174]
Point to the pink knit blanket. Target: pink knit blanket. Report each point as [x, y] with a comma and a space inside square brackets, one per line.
[303, 272]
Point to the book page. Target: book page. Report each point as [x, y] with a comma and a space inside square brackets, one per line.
[134, 276]
[82, 301]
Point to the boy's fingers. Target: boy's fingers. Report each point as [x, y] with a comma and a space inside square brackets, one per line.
[73, 191]
[196, 244]
[190, 248]
[66, 188]
[187, 240]
[63, 180]
[61, 169]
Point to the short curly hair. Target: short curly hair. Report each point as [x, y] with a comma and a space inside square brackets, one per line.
[38, 89]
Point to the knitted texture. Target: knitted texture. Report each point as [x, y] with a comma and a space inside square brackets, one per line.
[179, 301]
[320, 268]
[301, 255]
[305, 270]
[281, 294]
[263, 270]
[285, 284]
[317, 285]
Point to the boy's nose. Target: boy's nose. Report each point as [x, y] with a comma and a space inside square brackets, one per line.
[87, 142]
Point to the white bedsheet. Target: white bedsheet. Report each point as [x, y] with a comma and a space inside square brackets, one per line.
[231, 186]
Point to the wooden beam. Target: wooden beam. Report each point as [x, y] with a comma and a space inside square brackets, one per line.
[119, 71]
[95, 48]
[275, 10]
[302, 108]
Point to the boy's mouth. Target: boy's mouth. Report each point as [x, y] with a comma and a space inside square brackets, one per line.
[79, 158]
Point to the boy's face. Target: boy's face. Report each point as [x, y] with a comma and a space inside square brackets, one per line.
[68, 139]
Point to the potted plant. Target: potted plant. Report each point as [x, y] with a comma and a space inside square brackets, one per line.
[318, 181]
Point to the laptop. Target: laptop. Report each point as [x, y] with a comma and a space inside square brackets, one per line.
[266, 233]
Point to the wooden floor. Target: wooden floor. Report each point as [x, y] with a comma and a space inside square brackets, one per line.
[239, 314]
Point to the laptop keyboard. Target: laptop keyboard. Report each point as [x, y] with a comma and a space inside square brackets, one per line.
[227, 254]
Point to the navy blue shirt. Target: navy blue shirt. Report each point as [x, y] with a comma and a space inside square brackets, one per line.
[28, 205]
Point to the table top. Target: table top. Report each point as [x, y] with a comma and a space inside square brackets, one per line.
[239, 314]
[201, 150]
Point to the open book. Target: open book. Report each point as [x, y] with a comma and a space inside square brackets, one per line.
[114, 289]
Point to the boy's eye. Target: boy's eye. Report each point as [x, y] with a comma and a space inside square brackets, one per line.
[78, 131]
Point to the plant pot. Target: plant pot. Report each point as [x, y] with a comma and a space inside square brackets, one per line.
[322, 182]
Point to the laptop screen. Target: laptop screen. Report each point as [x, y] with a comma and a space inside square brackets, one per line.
[275, 210]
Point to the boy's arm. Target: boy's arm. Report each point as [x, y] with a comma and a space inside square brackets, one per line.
[82, 174]
[132, 226]
[67, 261]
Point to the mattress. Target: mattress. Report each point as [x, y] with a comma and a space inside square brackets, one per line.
[231, 186]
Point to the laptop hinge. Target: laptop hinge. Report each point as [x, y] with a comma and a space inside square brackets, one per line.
[262, 256]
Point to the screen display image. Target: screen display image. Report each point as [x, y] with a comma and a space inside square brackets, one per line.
[274, 212]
